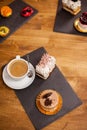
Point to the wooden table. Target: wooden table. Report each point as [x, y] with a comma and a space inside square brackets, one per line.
[70, 52]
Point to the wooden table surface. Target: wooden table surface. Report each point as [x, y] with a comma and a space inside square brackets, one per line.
[70, 52]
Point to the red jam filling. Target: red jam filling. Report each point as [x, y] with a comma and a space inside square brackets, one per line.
[27, 11]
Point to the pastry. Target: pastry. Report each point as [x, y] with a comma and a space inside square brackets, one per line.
[81, 23]
[6, 11]
[27, 11]
[4, 31]
[49, 102]
[72, 6]
[45, 66]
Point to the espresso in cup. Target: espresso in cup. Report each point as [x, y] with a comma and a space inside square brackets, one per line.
[17, 68]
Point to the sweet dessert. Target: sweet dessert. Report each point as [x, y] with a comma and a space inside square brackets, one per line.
[27, 11]
[6, 11]
[81, 23]
[72, 6]
[49, 102]
[4, 31]
[45, 66]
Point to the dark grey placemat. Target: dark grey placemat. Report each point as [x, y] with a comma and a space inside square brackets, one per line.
[15, 20]
[64, 20]
[57, 82]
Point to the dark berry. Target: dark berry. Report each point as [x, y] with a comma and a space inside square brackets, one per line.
[83, 18]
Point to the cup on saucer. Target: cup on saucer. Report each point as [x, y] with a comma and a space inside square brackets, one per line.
[18, 68]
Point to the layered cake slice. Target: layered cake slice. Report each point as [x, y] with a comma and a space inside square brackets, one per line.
[72, 6]
[45, 66]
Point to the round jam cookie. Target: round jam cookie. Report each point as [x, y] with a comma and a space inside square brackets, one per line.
[6, 11]
[49, 102]
[27, 11]
[4, 31]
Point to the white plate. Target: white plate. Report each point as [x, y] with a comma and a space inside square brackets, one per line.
[18, 84]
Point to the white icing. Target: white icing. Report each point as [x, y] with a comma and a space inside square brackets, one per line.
[71, 4]
[65, 1]
[42, 71]
[47, 68]
[82, 26]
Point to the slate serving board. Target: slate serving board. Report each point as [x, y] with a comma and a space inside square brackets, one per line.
[15, 20]
[57, 82]
[64, 20]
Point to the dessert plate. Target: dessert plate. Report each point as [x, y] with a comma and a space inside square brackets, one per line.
[77, 26]
[18, 84]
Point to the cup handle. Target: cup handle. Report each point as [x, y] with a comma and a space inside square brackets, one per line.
[18, 57]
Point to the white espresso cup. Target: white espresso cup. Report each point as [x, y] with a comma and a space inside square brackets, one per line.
[18, 68]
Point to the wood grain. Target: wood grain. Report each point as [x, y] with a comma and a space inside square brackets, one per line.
[70, 52]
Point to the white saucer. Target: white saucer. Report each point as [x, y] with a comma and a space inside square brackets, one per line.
[18, 84]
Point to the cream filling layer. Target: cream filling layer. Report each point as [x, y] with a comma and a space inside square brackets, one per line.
[82, 26]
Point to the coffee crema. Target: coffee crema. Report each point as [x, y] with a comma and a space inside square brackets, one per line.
[18, 68]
